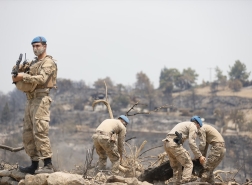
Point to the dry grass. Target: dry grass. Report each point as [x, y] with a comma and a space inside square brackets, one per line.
[205, 91]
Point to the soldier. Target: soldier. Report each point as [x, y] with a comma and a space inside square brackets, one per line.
[36, 79]
[209, 135]
[105, 142]
[178, 155]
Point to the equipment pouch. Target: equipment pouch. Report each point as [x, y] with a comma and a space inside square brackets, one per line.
[25, 87]
[178, 139]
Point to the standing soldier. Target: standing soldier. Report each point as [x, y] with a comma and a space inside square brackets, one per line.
[177, 154]
[105, 142]
[209, 135]
[36, 78]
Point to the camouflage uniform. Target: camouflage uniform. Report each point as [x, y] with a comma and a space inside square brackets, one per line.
[177, 154]
[108, 141]
[209, 135]
[43, 74]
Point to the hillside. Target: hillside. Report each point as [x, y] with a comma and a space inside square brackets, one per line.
[73, 121]
[245, 92]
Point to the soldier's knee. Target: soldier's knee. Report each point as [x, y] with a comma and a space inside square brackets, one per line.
[188, 163]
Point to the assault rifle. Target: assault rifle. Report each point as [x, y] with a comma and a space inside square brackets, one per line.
[178, 139]
[26, 65]
[16, 68]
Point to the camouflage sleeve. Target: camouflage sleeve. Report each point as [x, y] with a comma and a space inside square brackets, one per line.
[46, 70]
[121, 139]
[203, 146]
[192, 141]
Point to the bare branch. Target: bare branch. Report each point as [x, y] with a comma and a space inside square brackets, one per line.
[132, 108]
[130, 139]
[106, 90]
[107, 105]
[149, 112]
[89, 159]
[150, 149]
[140, 148]
[11, 149]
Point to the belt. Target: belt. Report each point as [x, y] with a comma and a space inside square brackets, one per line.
[37, 93]
[219, 144]
[99, 132]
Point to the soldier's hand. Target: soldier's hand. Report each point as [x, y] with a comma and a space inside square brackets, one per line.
[202, 160]
[19, 77]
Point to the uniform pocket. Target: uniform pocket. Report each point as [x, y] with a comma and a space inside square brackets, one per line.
[42, 126]
[42, 108]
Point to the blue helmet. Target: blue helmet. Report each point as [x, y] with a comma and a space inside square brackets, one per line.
[197, 119]
[38, 39]
[124, 118]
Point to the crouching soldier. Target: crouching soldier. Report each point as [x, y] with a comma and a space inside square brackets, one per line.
[208, 135]
[178, 155]
[108, 142]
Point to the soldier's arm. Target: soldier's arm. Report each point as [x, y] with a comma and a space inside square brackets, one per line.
[192, 141]
[203, 145]
[46, 70]
[121, 139]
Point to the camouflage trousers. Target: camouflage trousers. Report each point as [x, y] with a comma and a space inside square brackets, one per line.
[178, 157]
[35, 128]
[214, 158]
[106, 148]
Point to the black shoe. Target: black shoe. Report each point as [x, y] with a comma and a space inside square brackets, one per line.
[29, 169]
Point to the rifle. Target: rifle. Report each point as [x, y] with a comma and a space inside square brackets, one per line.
[178, 139]
[26, 65]
[16, 68]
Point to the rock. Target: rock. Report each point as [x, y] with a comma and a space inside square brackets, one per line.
[22, 182]
[115, 178]
[132, 181]
[61, 178]
[144, 183]
[121, 180]
[39, 179]
[4, 173]
[8, 181]
[17, 175]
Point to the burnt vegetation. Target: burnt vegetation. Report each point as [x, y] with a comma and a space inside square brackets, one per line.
[155, 110]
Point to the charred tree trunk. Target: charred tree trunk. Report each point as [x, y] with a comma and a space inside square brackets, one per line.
[164, 172]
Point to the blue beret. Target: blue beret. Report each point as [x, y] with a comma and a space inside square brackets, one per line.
[38, 39]
[197, 119]
[125, 118]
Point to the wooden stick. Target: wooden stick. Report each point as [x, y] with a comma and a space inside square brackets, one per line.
[11, 149]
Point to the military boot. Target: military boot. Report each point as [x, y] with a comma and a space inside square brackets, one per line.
[29, 169]
[48, 167]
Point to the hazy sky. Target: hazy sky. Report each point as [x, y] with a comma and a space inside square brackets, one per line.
[96, 39]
